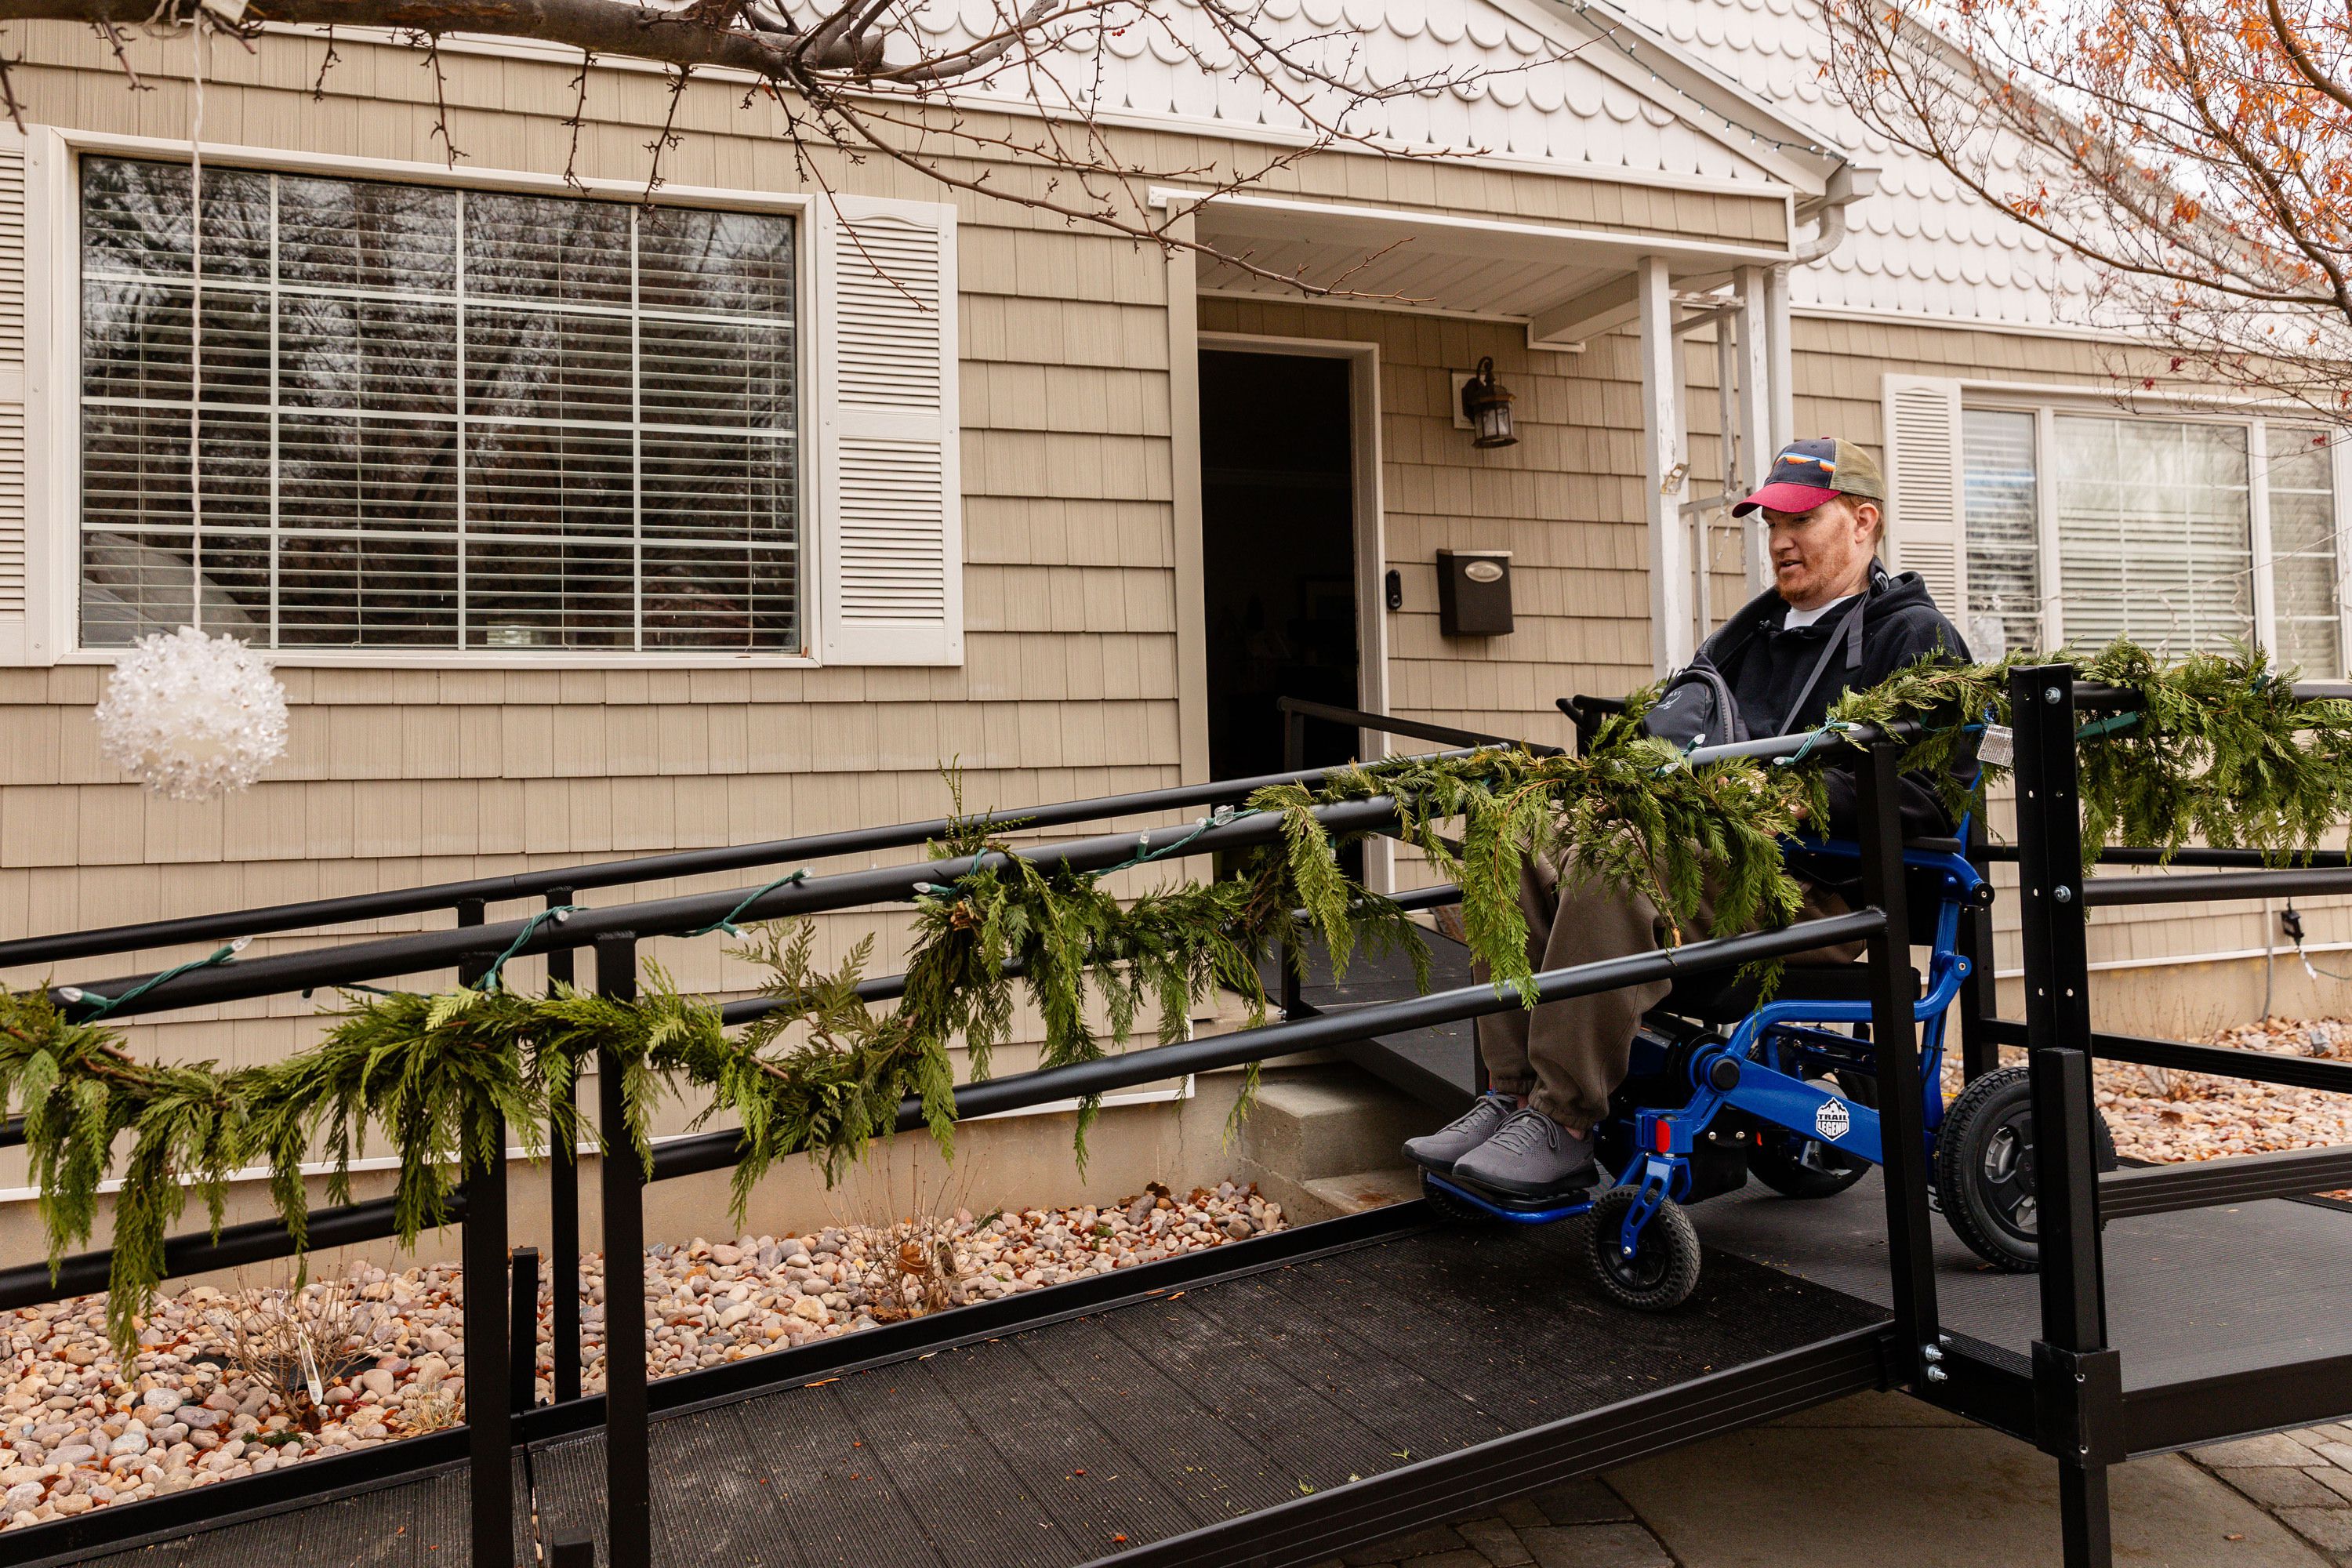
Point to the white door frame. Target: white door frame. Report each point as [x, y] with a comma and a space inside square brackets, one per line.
[1371, 548]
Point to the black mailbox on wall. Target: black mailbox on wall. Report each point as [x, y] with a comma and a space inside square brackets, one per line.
[1474, 593]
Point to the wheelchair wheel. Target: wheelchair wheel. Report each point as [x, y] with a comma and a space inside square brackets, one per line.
[1450, 1207]
[1664, 1269]
[1984, 1169]
[1796, 1166]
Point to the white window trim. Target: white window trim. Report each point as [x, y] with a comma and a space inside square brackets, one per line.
[2252, 414]
[52, 377]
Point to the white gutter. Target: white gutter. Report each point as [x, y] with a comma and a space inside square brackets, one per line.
[1847, 185]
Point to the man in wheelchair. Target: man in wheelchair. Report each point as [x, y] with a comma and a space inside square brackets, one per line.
[1834, 618]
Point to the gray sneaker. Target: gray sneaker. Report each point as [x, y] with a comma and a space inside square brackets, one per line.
[1530, 1156]
[1438, 1151]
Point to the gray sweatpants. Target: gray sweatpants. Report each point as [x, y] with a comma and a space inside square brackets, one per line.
[1568, 1057]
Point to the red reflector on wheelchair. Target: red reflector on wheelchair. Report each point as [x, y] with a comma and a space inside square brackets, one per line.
[1665, 1139]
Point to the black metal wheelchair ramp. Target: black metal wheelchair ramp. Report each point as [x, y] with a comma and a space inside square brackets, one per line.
[1305, 1389]
[1279, 1413]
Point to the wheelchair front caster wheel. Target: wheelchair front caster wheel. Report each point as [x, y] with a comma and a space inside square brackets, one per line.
[1664, 1269]
[1984, 1169]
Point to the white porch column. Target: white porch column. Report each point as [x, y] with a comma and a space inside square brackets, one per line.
[1754, 369]
[1665, 472]
[1191, 571]
[1780, 377]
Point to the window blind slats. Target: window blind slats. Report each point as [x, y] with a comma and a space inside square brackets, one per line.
[2302, 550]
[2003, 533]
[2156, 525]
[435, 418]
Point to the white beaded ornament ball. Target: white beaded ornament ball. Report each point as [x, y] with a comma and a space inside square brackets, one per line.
[192, 716]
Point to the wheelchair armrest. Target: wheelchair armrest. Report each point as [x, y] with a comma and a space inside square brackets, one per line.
[1851, 850]
[1586, 713]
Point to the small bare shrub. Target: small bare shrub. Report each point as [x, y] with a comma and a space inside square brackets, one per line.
[292, 1342]
[911, 1262]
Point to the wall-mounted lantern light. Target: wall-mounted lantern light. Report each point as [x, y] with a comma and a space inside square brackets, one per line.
[1487, 407]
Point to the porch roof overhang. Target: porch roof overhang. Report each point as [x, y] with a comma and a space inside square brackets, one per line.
[1565, 283]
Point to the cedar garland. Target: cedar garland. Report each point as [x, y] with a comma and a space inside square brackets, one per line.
[2221, 749]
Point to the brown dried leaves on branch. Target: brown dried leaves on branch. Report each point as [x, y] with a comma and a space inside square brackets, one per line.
[2194, 156]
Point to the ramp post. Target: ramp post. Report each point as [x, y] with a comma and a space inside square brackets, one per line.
[1893, 997]
[1293, 761]
[2077, 1379]
[1979, 996]
[563, 1208]
[628, 1480]
[490, 1420]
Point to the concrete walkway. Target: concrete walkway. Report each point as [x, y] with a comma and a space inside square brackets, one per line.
[1863, 1483]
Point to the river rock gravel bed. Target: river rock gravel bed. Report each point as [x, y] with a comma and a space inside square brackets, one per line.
[76, 1434]
[2169, 1116]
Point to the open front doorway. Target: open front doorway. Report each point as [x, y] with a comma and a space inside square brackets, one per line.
[1282, 498]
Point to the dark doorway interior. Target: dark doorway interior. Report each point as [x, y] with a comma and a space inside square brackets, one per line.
[1278, 537]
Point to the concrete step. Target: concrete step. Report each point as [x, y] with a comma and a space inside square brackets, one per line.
[1334, 1124]
[1366, 1189]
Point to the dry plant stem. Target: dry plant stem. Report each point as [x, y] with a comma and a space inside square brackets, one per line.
[293, 1340]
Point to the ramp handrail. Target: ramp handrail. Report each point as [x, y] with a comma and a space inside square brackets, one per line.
[566, 880]
[391, 957]
[26, 1285]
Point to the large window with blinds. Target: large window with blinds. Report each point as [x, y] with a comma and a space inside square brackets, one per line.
[329, 414]
[2179, 534]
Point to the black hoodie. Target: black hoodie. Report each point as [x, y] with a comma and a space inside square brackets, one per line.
[1767, 665]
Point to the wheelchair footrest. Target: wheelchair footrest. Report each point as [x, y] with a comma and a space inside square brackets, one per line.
[1566, 1204]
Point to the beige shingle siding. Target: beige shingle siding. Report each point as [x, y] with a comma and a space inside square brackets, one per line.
[397, 778]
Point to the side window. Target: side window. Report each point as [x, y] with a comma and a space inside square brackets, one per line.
[2003, 524]
[2081, 527]
[2304, 594]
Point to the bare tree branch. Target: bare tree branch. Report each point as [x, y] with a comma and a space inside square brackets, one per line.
[1007, 104]
[2190, 154]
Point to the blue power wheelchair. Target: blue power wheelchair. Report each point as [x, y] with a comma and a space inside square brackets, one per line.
[1722, 1088]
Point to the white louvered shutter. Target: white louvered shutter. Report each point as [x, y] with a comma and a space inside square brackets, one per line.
[1923, 481]
[15, 633]
[891, 541]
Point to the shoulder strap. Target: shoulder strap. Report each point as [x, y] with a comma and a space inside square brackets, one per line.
[1735, 634]
[1847, 635]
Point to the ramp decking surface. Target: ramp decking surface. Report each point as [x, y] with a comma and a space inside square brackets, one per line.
[1047, 1446]
[2195, 1294]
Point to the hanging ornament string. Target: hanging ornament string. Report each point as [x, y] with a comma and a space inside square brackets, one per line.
[197, 46]
[726, 922]
[490, 980]
[105, 1005]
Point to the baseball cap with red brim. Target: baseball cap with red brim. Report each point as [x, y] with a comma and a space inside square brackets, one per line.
[1808, 473]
